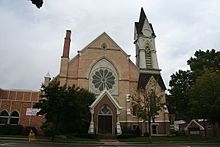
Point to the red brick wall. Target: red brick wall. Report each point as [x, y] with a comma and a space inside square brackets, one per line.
[17, 100]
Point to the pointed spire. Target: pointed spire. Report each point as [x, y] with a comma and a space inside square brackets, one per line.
[66, 47]
[139, 25]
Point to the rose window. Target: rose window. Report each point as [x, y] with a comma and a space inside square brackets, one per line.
[103, 78]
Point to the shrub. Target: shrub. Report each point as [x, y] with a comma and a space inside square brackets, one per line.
[11, 129]
[86, 135]
[126, 136]
[146, 134]
[48, 129]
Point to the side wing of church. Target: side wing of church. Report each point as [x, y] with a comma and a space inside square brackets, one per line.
[105, 69]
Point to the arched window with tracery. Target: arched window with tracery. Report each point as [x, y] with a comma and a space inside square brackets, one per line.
[103, 76]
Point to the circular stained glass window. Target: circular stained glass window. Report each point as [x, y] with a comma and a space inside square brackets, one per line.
[103, 78]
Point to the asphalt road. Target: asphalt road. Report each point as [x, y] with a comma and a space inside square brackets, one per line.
[42, 144]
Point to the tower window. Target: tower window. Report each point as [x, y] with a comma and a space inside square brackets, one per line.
[148, 57]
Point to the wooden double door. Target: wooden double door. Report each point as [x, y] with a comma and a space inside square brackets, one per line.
[105, 124]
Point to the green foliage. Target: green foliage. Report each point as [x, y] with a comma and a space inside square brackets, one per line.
[48, 128]
[204, 61]
[178, 99]
[11, 129]
[66, 108]
[193, 89]
[126, 136]
[205, 96]
[148, 105]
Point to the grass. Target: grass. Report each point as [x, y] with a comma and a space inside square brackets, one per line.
[58, 139]
[173, 140]
[137, 140]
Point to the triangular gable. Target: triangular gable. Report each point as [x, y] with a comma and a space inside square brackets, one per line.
[99, 98]
[110, 40]
[144, 79]
[104, 34]
[194, 121]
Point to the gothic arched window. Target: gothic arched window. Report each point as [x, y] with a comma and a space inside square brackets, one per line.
[4, 117]
[14, 118]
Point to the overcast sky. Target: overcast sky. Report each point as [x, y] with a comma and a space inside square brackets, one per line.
[31, 39]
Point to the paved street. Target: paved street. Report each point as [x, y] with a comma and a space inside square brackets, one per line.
[113, 144]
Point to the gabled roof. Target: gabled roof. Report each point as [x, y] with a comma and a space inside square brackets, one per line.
[139, 25]
[194, 121]
[145, 77]
[111, 98]
[103, 34]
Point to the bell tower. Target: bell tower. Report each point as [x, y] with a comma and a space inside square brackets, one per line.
[144, 39]
[146, 56]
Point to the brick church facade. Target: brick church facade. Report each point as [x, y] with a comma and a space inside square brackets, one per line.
[105, 69]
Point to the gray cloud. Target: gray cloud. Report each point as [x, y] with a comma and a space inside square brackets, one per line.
[31, 40]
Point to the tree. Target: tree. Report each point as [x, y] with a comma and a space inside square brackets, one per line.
[66, 108]
[208, 60]
[181, 82]
[147, 105]
[178, 99]
[205, 96]
[38, 3]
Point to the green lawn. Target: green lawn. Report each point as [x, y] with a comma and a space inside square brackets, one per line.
[137, 140]
[59, 138]
[173, 140]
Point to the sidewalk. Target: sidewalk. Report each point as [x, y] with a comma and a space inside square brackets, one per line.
[113, 142]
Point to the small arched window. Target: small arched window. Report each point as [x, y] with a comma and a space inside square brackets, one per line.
[105, 110]
[4, 117]
[14, 118]
[104, 45]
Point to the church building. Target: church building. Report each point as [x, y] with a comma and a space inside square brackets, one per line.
[105, 69]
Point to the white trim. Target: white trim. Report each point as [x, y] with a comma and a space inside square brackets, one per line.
[160, 121]
[112, 99]
[193, 120]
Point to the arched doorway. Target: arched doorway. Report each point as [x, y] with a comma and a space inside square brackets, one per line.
[105, 120]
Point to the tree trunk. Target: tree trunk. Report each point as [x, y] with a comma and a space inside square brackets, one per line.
[204, 125]
[149, 129]
[217, 126]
